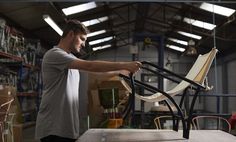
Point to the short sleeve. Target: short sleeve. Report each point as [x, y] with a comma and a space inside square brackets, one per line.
[58, 59]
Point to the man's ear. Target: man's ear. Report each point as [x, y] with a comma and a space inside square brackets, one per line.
[71, 34]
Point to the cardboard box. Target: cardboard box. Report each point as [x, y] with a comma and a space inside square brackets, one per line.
[115, 123]
[7, 90]
[6, 94]
[95, 109]
[96, 112]
[17, 133]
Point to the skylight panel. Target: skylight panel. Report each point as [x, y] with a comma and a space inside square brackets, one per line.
[178, 41]
[176, 48]
[95, 21]
[101, 47]
[96, 33]
[217, 9]
[189, 35]
[100, 40]
[200, 24]
[79, 8]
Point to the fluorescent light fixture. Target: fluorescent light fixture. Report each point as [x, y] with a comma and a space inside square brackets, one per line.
[96, 33]
[200, 24]
[217, 9]
[175, 48]
[189, 35]
[79, 8]
[50, 22]
[95, 21]
[100, 40]
[178, 41]
[101, 47]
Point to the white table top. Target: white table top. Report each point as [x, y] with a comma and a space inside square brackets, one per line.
[153, 135]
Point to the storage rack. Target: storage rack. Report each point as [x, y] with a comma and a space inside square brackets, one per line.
[16, 63]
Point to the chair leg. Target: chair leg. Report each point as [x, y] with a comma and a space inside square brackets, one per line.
[176, 125]
[11, 131]
[2, 133]
[186, 134]
[175, 128]
[190, 116]
[3, 139]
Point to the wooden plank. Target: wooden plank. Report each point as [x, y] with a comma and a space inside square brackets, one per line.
[147, 135]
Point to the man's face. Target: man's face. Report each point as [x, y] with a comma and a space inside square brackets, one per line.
[78, 42]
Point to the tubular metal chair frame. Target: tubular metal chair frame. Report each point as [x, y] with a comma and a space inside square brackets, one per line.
[196, 83]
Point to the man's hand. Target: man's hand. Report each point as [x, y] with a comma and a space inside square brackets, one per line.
[134, 66]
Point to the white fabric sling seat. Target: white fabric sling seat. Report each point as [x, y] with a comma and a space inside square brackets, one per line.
[197, 73]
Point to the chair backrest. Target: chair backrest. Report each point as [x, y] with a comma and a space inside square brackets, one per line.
[211, 122]
[165, 122]
[157, 121]
[197, 73]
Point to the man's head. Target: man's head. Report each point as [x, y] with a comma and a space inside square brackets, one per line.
[76, 33]
[75, 26]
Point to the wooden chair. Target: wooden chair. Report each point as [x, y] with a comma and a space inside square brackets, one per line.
[211, 123]
[195, 79]
[158, 121]
[5, 128]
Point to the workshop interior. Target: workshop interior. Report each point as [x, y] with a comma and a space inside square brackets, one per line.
[184, 89]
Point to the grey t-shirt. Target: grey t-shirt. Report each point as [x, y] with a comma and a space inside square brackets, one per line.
[59, 109]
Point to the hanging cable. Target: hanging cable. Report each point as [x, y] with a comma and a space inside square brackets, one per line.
[215, 62]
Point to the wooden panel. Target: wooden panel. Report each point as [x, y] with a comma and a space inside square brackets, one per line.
[142, 135]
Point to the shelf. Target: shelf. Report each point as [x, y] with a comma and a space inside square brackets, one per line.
[27, 94]
[31, 66]
[29, 111]
[10, 56]
[16, 58]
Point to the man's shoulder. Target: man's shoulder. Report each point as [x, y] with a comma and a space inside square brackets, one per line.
[53, 51]
[56, 54]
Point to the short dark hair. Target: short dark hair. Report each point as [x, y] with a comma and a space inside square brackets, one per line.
[76, 26]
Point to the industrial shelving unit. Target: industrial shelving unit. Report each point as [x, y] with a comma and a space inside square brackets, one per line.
[16, 65]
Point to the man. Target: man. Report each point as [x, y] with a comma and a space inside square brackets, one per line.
[58, 116]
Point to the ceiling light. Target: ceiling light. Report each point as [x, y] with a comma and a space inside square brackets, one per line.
[96, 33]
[217, 9]
[176, 48]
[79, 8]
[189, 35]
[95, 21]
[101, 47]
[50, 22]
[200, 24]
[100, 40]
[178, 41]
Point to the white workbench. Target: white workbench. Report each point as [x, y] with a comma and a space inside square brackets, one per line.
[147, 135]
